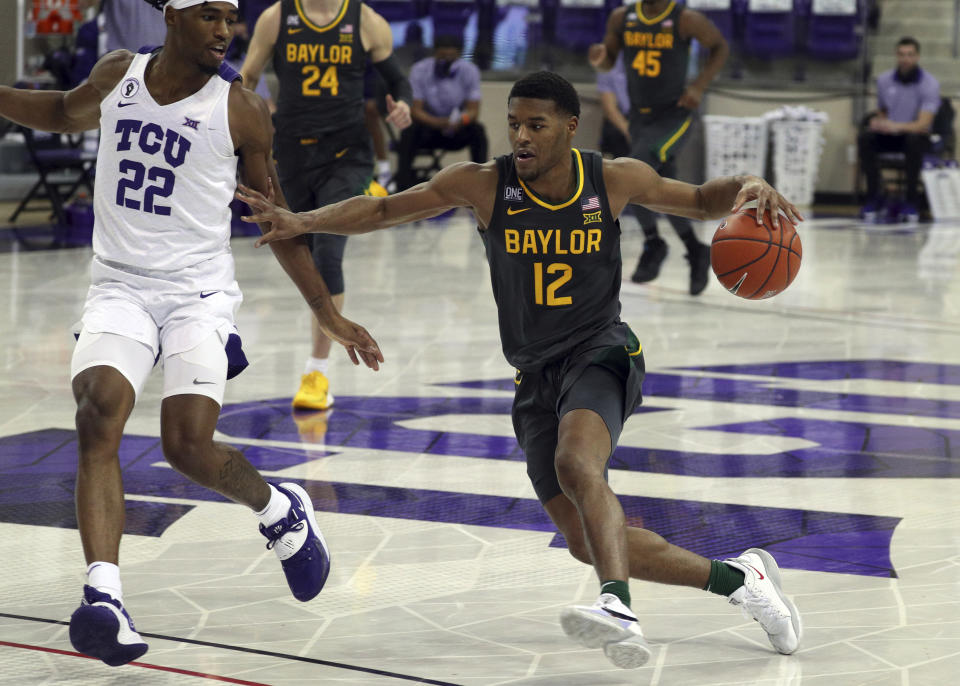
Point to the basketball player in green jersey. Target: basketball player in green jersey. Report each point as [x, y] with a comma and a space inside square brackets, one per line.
[320, 50]
[655, 38]
[547, 214]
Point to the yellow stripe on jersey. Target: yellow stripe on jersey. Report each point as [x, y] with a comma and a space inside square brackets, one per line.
[576, 153]
[321, 29]
[656, 20]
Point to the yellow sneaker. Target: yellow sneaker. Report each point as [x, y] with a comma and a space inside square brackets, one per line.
[314, 392]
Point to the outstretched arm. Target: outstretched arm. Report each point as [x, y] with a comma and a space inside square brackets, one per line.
[66, 111]
[253, 134]
[464, 184]
[633, 182]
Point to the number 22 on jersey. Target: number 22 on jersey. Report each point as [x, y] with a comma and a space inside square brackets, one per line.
[311, 75]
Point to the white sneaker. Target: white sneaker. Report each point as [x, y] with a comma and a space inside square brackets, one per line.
[762, 599]
[607, 624]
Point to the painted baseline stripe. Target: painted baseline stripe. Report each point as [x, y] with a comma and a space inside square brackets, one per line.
[239, 649]
[144, 665]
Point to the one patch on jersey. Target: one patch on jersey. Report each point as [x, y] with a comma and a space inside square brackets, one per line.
[293, 20]
[593, 217]
[346, 38]
[632, 16]
[346, 28]
[130, 88]
[591, 203]
[513, 193]
[667, 24]
[192, 123]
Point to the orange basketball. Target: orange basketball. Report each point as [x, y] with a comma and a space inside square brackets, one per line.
[755, 261]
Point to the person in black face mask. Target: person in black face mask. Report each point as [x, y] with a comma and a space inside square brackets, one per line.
[908, 98]
[446, 104]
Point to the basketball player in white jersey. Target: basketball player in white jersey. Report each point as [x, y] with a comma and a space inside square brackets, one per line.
[174, 123]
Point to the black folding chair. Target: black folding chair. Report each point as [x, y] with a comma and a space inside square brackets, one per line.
[63, 167]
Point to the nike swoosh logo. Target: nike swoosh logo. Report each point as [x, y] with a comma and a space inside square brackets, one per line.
[619, 615]
[207, 294]
[125, 104]
[293, 31]
[201, 383]
[340, 154]
[512, 211]
[759, 573]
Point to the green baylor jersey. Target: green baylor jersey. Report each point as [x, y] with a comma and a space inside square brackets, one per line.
[320, 70]
[555, 269]
[655, 57]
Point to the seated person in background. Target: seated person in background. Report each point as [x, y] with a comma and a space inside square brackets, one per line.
[615, 104]
[446, 104]
[908, 99]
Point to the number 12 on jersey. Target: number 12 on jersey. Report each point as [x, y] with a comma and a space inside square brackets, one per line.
[565, 272]
[311, 74]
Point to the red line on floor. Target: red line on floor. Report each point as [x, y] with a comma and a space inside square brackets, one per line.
[145, 665]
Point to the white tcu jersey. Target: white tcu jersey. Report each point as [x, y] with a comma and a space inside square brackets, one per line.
[165, 174]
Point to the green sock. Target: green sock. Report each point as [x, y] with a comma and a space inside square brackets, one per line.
[724, 579]
[621, 589]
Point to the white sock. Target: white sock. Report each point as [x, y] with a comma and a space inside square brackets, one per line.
[316, 364]
[105, 577]
[276, 509]
[383, 166]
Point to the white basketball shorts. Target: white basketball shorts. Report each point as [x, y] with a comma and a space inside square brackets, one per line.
[186, 317]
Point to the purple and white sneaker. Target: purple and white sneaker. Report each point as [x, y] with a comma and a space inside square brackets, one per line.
[101, 628]
[298, 543]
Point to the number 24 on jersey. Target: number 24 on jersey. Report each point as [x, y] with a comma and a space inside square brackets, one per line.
[311, 77]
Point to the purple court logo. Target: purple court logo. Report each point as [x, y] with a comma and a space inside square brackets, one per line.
[130, 87]
[42, 463]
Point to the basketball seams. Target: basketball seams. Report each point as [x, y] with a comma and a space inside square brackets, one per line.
[751, 262]
[773, 268]
[779, 268]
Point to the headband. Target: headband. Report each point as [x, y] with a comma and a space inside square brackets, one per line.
[184, 4]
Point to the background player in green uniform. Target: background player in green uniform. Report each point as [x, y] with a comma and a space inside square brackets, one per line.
[655, 36]
[548, 217]
[320, 50]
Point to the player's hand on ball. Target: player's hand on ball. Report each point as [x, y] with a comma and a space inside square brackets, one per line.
[358, 342]
[398, 113]
[597, 55]
[767, 198]
[282, 223]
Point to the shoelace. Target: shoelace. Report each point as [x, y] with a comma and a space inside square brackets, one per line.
[285, 527]
[760, 609]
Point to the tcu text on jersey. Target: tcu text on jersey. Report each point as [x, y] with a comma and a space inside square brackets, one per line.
[170, 149]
